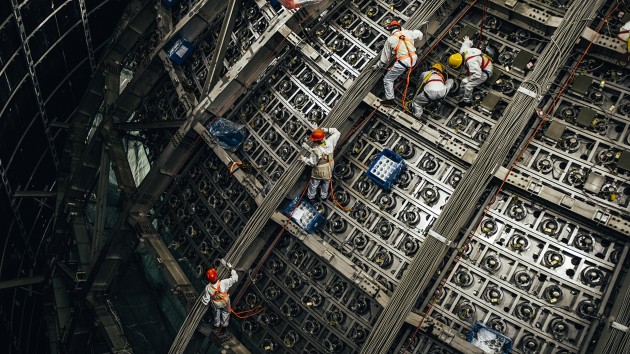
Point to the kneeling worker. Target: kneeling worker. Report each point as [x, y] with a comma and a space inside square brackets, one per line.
[217, 292]
[434, 87]
[478, 68]
[321, 159]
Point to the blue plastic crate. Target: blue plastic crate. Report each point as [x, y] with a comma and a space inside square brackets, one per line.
[489, 339]
[179, 49]
[386, 168]
[305, 215]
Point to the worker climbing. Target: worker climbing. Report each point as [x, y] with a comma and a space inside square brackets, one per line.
[217, 293]
[320, 157]
[624, 35]
[434, 87]
[478, 68]
[399, 46]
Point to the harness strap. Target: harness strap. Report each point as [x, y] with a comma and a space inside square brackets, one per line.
[218, 294]
[428, 79]
[401, 38]
[483, 65]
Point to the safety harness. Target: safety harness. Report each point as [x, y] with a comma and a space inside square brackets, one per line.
[219, 297]
[429, 79]
[220, 300]
[410, 54]
[484, 64]
[402, 39]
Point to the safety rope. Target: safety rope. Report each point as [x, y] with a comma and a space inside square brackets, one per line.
[411, 67]
[240, 165]
[514, 164]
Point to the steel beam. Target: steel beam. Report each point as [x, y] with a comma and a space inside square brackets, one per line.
[110, 323]
[137, 126]
[101, 205]
[216, 65]
[86, 32]
[35, 194]
[8, 284]
[17, 15]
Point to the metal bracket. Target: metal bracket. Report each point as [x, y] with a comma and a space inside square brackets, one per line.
[435, 235]
[528, 92]
[601, 216]
[619, 326]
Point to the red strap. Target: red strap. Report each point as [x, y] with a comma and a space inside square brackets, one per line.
[218, 290]
[401, 38]
[483, 65]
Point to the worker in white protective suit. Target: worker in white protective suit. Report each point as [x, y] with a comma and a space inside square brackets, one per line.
[478, 68]
[320, 158]
[624, 35]
[434, 87]
[216, 293]
[399, 47]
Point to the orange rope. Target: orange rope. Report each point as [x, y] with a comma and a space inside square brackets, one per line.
[234, 165]
[411, 67]
[487, 208]
[246, 313]
[332, 197]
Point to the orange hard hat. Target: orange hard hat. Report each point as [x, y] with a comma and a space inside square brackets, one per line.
[393, 24]
[317, 135]
[211, 274]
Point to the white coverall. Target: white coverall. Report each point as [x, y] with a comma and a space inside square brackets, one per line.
[394, 48]
[435, 88]
[479, 68]
[624, 34]
[321, 159]
[217, 294]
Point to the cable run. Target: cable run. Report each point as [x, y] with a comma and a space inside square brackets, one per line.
[487, 208]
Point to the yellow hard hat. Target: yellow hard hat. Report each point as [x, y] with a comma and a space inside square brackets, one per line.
[438, 67]
[455, 60]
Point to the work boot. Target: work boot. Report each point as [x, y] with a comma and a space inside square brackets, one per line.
[464, 104]
[388, 103]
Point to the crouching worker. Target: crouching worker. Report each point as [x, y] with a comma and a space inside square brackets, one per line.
[434, 87]
[216, 293]
[478, 68]
[320, 158]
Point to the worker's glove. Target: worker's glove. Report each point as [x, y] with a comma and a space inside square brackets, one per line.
[229, 265]
[423, 23]
[465, 81]
[225, 263]
[378, 66]
[467, 40]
